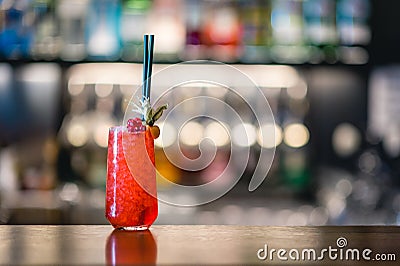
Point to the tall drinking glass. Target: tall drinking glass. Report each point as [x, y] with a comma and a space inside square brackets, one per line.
[131, 195]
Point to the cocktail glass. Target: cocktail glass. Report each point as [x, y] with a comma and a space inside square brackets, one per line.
[131, 194]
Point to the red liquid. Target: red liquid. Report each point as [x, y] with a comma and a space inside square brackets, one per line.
[131, 201]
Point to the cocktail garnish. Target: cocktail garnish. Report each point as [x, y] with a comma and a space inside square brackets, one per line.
[149, 115]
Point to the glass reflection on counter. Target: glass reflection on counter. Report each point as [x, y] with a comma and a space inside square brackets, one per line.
[125, 247]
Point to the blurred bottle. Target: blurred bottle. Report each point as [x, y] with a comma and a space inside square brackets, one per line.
[194, 48]
[16, 31]
[102, 30]
[319, 17]
[320, 28]
[256, 22]
[287, 22]
[47, 43]
[352, 22]
[383, 110]
[287, 32]
[133, 26]
[72, 15]
[166, 22]
[353, 30]
[222, 31]
[292, 112]
[38, 85]
[295, 171]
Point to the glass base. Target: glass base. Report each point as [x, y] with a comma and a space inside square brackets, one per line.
[134, 228]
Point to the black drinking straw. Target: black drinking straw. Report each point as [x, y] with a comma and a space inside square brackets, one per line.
[148, 47]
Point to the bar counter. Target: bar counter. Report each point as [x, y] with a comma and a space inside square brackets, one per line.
[205, 244]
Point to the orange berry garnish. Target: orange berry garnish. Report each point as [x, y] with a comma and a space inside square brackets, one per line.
[155, 131]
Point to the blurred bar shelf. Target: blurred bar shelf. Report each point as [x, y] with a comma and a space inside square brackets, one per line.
[234, 31]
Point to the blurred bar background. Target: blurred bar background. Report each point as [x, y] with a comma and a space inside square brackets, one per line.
[329, 68]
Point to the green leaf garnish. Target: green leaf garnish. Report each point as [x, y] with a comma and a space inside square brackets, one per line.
[159, 111]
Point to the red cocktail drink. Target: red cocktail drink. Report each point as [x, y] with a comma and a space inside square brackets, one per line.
[131, 195]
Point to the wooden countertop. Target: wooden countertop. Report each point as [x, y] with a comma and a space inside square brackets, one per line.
[97, 245]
